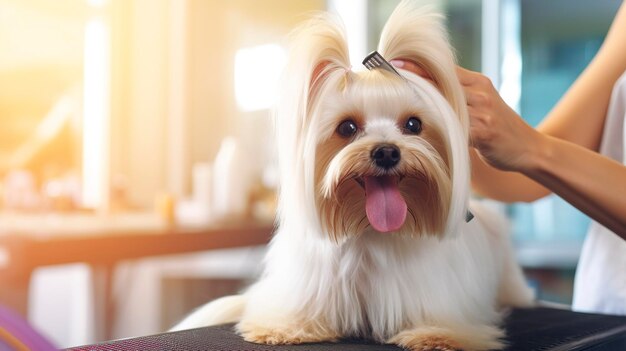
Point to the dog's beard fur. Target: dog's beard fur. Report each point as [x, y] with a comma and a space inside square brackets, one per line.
[381, 103]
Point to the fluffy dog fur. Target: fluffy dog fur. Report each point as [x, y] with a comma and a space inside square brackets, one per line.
[436, 282]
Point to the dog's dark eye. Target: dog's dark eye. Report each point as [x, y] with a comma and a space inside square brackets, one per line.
[347, 128]
[413, 125]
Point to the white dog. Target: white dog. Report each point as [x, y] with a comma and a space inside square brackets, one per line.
[372, 239]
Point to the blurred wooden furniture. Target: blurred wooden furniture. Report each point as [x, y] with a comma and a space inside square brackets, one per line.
[30, 242]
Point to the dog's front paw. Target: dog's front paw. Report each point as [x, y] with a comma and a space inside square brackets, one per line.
[286, 334]
[419, 342]
[468, 338]
[270, 336]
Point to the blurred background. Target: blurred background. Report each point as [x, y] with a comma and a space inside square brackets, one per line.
[149, 116]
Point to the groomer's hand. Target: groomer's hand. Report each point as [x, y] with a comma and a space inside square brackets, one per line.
[499, 135]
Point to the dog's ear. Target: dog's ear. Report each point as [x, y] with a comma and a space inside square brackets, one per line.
[318, 49]
[318, 58]
[416, 33]
[319, 76]
[318, 53]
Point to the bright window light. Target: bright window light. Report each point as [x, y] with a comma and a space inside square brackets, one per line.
[97, 3]
[354, 16]
[511, 84]
[257, 70]
[95, 114]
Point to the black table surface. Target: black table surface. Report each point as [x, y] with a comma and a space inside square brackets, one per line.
[538, 329]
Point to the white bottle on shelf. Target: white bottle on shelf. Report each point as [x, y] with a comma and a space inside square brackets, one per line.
[231, 183]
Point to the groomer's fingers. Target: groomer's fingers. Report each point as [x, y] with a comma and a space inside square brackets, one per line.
[478, 122]
[469, 78]
[466, 77]
[472, 111]
[411, 67]
[477, 98]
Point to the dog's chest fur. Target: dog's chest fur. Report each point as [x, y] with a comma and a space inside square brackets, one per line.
[375, 285]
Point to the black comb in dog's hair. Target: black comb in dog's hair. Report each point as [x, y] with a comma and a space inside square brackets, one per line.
[376, 60]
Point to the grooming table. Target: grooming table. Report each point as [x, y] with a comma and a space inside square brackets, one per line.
[539, 329]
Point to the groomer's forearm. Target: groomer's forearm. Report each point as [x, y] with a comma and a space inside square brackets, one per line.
[501, 185]
[592, 183]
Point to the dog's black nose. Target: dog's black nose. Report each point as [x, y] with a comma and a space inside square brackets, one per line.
[386, 155]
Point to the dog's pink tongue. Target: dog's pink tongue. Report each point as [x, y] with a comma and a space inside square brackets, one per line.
[384, 205]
